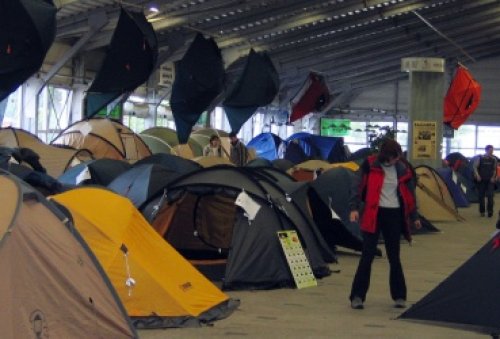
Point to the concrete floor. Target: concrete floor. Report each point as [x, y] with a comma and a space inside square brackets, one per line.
[324, 311]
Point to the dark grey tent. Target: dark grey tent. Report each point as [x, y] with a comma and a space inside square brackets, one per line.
[142, 183]
[282, 164]
[468, 298]
[171, 162]
[259, 162]
[129, 61]
[27, 30]
[198, 216]
[199, 78]
[256, 86]
[95, 172]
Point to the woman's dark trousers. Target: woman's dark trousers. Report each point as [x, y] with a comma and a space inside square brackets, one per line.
[389, 223]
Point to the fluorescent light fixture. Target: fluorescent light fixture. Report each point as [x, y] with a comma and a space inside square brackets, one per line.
[136, 99]
[153, 7]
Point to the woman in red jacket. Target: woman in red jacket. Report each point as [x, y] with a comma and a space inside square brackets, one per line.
[387, 189]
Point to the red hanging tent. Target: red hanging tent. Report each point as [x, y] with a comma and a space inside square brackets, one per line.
[314, 96]
[462, 98]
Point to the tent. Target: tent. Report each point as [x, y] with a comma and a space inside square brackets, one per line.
[267, 146]
[105, 138]
[157, 286]
[462, 98]
[313, 96]
[282, 164]
[199, 78]
[55, 160]
[259, 162]
[316, 147]
[28, 30]
[434, 199]
[468, 298]
[52, 284]
[142, 182]
[310, 169]
[255, 85]
[130, 59]
[210, 161]
[94, 172]
[198, 216]
[450, 178]
[329, 199]
[171, 162]
[164, 140]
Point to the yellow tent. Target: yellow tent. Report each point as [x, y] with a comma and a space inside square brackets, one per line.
[212, 161]
[307, 170]
[158, 287]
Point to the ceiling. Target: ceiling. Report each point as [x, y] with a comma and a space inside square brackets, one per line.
[356, 44]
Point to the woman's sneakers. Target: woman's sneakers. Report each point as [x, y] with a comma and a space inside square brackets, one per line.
[357, 303]
[399, 303]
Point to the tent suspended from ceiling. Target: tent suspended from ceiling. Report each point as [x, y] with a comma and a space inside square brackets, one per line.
[314, 96]
[256, 86]
[462, 98]
[130, 60]
[199, 78]
[27, 31]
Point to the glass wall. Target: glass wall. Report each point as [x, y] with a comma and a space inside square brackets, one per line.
[54, 105]
[12, 116]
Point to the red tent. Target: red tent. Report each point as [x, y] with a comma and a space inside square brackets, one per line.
[462, 98]
[314, 96]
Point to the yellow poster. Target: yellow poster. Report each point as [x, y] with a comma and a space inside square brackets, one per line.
[424, 139]
[297, 260]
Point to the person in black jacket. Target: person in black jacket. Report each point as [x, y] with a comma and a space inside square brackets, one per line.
[485, 173]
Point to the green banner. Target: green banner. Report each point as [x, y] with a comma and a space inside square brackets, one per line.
[335, 127]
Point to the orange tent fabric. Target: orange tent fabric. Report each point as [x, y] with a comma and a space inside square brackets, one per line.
[462, 98]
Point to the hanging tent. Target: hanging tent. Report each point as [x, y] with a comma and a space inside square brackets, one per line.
[28, 28]
[52, 285]
[462, 98]
[255, 86]
[157, 286]
[468, 298]
[199, 78]
[313, 96]
[129, 61]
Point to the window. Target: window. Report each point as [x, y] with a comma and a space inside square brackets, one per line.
[54, 104]
[136, 124]
[464, 140]
[357, 137]
[12, 116]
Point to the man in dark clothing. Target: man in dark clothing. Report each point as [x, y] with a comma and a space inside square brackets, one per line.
[239, 152]
[485, 173]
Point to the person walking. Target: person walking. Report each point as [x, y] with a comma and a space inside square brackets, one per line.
[387, 188]
[485, 173]
[239, 153]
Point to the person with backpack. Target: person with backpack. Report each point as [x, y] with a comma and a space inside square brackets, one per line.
[387, 189]
[485, 173]
[239, 152]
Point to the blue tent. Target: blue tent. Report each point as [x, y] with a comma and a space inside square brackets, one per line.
[266, 145]
[454, 187]
[330, 149]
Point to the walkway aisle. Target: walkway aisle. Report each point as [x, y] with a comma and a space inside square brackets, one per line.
[324, 312]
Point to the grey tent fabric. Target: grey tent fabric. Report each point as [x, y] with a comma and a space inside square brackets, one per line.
[254, 255]
[99, 172]
[468, 298]
[256, 86]
[199, 78]
[129, 61]
[27, 30]
[142, 183]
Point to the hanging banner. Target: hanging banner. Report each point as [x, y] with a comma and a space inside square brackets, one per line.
[335, 127]
[424, 139]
